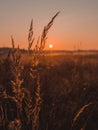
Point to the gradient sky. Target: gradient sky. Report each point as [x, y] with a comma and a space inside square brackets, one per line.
[77, 23]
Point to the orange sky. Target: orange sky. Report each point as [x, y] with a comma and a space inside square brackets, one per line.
[77, 23]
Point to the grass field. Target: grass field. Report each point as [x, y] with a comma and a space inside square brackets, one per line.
[48, 91]
[67, 98]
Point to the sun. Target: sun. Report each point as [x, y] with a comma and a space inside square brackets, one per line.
[50, 46]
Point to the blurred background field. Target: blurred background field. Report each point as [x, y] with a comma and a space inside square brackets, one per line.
[68, 82]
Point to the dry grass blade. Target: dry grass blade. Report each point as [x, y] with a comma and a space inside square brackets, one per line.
[37, 106]
[18, 54]
[37, 43]
[81, 111]
[12, 42]
[45, 31]
[13, 48]
[30, 36]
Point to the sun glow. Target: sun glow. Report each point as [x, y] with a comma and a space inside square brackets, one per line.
[50, 46]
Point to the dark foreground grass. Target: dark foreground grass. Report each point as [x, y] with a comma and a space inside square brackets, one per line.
[69, 92]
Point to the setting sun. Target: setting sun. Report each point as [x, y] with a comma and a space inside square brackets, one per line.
[50, 46]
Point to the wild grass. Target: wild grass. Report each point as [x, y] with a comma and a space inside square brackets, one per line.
[62, 93]
[18, 99]
[59, 92]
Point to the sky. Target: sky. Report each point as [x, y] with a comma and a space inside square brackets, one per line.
[76, 27]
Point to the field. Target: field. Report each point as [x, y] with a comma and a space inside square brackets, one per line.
[60, 94]
[48, 90]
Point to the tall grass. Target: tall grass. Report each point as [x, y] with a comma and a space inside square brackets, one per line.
[26, 106]
[37, 96]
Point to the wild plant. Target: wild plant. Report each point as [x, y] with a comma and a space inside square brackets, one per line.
[34, 71]
[27, 107]
[84, 115]
[16, 83]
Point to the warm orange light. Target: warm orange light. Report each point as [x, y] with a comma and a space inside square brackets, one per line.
[50, 46]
